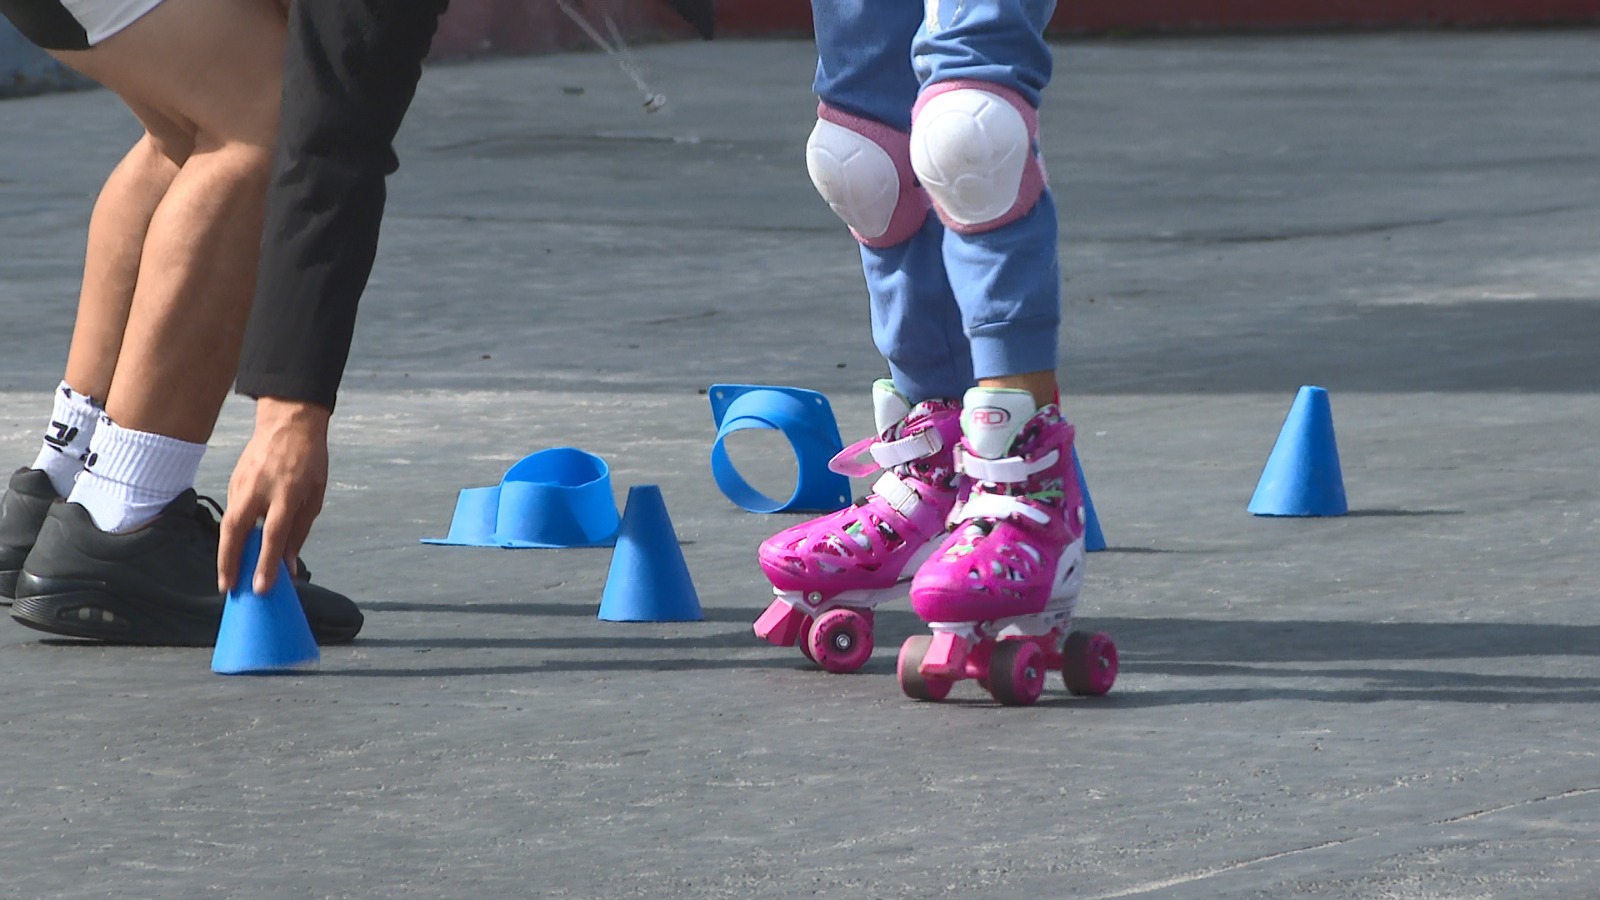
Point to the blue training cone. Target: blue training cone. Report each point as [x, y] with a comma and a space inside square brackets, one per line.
[805, 419]
[649, 580]
[261, 635]
[1093, 540]
[1302, 476]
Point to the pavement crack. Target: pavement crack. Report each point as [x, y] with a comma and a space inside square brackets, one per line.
[1203, 874]
[1215, 871]
[1214, 238]
[689, 317]
[1478, 814]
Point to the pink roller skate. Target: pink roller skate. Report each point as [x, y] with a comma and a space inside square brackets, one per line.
[1000, 591]
[829, 573]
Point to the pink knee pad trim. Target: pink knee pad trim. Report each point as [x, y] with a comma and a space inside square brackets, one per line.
[1034, 176]
[911, 207]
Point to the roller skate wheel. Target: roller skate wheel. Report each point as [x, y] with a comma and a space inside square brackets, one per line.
[804, 642]
[1089, 663]
[912, 681]
[1016, 673]
[840, 640]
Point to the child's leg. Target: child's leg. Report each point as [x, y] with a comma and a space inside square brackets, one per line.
[975, 150]
[1013, 562]
[859, 157]
[830, 572]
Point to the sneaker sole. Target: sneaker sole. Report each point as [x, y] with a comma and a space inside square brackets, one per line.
[89, 611]
[92, 612]
[326, 634]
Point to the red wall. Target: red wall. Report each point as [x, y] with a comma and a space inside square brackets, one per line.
[520, 26]
[472, 27]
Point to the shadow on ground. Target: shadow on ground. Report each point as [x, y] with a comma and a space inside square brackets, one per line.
[1350, 662]
[1328, 661]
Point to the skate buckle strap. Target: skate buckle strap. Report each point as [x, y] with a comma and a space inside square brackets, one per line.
[899, 495]
[921, 445]
[1007, 470]
[850, 461]
[1000, 506]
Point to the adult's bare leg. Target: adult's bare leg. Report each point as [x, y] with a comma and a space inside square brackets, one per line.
[117, 230]
[213, 69]
[127, 559]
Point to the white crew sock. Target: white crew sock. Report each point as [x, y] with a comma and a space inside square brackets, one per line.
[130, 476]
[66, 440]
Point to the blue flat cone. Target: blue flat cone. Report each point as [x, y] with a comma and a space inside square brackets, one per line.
[1093, 540]
[649, 580]
[263, 634]
[1302, 476]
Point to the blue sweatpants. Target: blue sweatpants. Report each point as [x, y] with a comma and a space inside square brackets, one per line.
[948, 308]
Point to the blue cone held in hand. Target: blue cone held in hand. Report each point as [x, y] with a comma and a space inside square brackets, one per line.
[263, 634]
[1093, 540]
[649, 580]
[1302, 476]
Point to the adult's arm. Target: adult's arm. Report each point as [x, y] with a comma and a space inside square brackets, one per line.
[350, 71]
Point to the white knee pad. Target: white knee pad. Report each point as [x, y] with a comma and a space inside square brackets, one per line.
[863, 169]
[973, 148]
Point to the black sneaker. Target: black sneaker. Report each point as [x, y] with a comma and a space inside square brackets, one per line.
[22, 511]
[155, 586]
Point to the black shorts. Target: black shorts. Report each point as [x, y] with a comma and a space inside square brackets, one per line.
[73, 24]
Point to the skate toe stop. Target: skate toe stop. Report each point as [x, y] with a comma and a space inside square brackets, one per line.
[946, 658]
[781, 624]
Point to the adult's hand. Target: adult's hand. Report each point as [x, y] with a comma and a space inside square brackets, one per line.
[281, 477]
